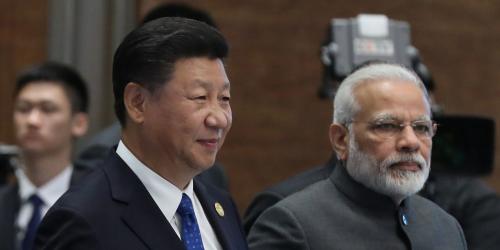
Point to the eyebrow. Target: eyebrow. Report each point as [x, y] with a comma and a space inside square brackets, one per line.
[386, 116]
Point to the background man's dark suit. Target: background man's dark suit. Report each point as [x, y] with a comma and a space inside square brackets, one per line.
[10, 204]
[127, 212]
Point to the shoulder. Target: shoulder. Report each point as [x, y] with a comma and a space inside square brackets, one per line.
[276, 193]
[300, 181]
[94, 189]
[317, 193]
[8, 190]
[9, 197]
[72, 222]
[286, 225]
[301, 207]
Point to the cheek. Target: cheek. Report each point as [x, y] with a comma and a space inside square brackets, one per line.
[379, 150]
[426, 150]
[229, 117]
[58, 126]
[19, 122]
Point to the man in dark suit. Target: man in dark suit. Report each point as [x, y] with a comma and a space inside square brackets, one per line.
[100, 144]
[382, 135]
[172, 99]
[50, 111]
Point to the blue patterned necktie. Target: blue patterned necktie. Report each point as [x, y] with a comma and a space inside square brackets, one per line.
[190, 233]
[36, 217]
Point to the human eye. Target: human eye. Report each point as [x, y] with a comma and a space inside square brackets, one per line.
[49, 108]
[225, 98]
[22, 107]
[422, 127]
[386, 126]
[198, 97]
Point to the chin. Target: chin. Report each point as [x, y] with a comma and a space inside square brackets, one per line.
[203, 165]
[406, 184]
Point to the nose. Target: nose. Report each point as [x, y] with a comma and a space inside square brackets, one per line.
[219, 118]
[34, 117]
[408, 141]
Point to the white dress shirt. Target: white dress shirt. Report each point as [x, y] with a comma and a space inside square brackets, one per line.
[48, 193]
[168, 197]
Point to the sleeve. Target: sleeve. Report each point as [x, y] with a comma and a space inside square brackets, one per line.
[64, 229]
[277, 228]
[261, 202]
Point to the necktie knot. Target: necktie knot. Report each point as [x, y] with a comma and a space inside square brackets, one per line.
[185, 207]
[35, 201]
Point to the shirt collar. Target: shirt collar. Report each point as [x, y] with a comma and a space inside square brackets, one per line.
[165, 194]
[50, 191]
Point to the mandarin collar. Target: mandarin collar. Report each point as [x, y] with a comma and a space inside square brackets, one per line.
[362, 195]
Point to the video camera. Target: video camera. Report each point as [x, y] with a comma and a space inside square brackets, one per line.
[463, 144]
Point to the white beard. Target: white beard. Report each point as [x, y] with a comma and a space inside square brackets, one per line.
[380, 177]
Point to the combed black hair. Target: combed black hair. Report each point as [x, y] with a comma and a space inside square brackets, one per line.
[147, 55]
[73, 84]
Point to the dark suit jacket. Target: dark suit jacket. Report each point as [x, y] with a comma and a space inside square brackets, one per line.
[113, 210]
[10, 204]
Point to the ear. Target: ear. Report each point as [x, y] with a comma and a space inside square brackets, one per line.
[339, 139]
[80, 124]
[134, 98]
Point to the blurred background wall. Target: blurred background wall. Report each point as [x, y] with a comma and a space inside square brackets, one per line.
[280, 125]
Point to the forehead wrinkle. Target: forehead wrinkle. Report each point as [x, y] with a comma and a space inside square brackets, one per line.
[209, 85]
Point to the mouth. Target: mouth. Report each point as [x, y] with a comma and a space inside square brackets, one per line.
[407, 166]
[209, 143]
[31, 136]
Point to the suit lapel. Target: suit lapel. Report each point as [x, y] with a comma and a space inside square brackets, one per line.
[219, 223]
[141, 213]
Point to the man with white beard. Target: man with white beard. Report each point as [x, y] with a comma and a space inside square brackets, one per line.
[382, 136]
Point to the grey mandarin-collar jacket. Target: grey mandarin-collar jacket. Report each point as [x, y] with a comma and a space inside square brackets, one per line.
[339, 213]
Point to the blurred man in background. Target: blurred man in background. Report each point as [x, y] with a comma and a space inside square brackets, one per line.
[50, 112]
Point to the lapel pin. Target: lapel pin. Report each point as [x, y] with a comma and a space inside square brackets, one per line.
[219, 209]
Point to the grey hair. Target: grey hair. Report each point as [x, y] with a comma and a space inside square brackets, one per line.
[345, 104]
